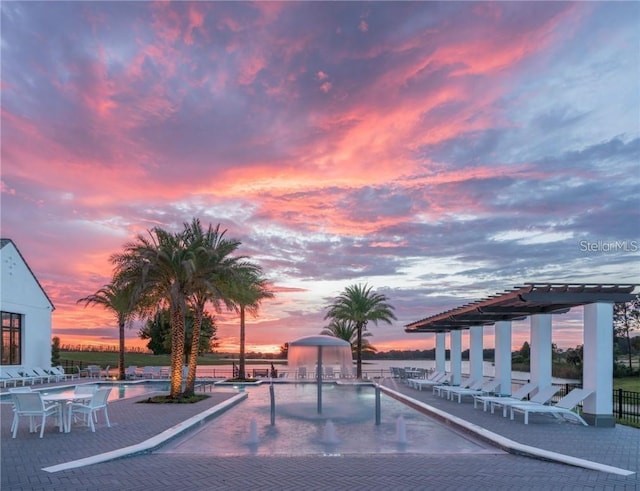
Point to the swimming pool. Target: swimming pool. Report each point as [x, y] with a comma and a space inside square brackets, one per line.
[346, 426]
[121, 390]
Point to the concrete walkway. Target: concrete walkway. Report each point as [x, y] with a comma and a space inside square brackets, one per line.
[23, 458]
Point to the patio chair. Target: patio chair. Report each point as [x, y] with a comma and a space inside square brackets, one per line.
[328, 372]
[543, 396]
[561, 409]
[30, 404]
[518, 395]
[147, 372]
[130, 372]
[302, 372]
[97, 402]
[94, 371]
[488, 387]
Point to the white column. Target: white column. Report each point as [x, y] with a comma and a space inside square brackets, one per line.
[440, 352]
[503, 356]
[475, 353]
[597, 372]
[456, 356]
[540, 336]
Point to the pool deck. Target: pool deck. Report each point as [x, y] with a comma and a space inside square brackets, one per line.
[24, 458]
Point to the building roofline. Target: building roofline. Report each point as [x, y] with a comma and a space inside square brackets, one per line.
[4, 242]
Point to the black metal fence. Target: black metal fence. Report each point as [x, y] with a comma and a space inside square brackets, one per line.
[626, 405]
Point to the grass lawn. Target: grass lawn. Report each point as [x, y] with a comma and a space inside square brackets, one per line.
[627, 383]
[104, 358]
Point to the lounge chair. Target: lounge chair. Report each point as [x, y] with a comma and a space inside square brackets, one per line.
[60, 373]
[31, 404]
[97, 402]
[451, 390]
[518, 395]
[561, 409]
[6, 379]
[41, 373]
[105, 373]
[147, 372]
[436, 378]
[543, 396]
[37, 379]
[488, 387]
[18, 377]
[443, 390]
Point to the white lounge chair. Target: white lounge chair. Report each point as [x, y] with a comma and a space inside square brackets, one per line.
[60, 373]
[437, 378]
[561, 409]
[443, 390]
[97, 402]
[6, 380]
[518, 395]
[42, 374]
[30, 404]
[451, 390]
[541, 397]
[18, 377]
[488, 387]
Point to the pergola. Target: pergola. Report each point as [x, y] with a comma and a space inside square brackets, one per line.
[539, 302]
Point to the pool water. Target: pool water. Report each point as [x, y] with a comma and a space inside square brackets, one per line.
[121, 390]
[345, 427]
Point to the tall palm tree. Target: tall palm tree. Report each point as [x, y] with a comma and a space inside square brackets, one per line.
[161, 268]
[214, 271]
[346, 330]
[360, 305]
[247, 291]
[118, 298]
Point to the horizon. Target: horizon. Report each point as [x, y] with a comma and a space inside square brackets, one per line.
[441, 152]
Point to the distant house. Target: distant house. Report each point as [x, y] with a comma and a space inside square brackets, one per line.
[26, 313]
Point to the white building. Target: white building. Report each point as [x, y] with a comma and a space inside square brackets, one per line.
[26, 309]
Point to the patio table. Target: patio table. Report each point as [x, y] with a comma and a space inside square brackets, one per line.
[63, 400]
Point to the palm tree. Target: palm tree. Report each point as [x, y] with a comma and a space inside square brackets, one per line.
[214, 271]
[346, 330]
[360, 305]
[118, 298]
[248, 290]
[160, 269]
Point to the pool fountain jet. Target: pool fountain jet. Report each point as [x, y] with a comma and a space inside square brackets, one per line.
[320, 349]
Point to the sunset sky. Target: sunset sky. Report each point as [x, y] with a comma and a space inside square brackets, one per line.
[440, 152]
